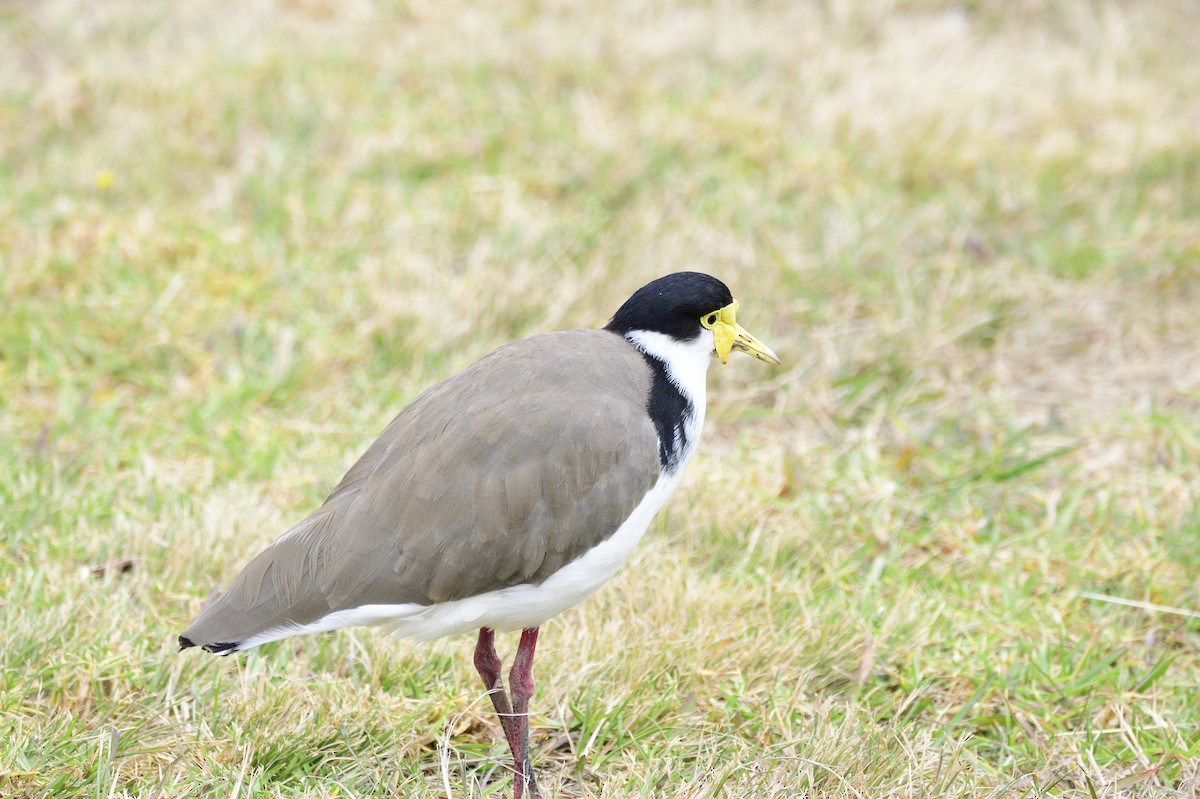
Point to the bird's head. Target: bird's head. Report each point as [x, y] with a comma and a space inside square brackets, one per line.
[685, 305]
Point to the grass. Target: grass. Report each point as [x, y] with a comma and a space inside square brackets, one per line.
[236, 238]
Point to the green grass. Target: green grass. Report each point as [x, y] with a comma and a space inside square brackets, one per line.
[235, 240]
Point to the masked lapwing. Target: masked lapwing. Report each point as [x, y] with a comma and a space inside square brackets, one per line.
[502, 495]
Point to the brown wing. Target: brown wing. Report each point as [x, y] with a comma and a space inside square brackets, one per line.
[498, 476]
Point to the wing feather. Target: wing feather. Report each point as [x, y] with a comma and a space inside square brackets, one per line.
[495, 477]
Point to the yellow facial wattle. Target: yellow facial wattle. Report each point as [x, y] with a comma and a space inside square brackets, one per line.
[728, 335]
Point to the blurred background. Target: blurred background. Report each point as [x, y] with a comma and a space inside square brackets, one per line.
[949, 548]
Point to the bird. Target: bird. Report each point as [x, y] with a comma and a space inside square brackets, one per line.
[500, 496]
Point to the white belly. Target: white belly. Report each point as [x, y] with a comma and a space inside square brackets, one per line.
[528, 605]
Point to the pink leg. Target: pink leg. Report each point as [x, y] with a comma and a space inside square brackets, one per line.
[487, 663]
[520, 679]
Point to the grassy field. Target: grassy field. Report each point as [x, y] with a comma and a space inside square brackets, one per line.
[950, 549]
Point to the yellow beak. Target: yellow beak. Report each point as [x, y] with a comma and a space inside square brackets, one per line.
[728, 335]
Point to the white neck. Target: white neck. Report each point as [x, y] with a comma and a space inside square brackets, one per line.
[687, 367]
[687, 361]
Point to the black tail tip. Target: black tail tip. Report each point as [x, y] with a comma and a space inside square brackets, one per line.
[216, 649]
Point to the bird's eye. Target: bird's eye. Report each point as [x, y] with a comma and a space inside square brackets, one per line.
[711, 320]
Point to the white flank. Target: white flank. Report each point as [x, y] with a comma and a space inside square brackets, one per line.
[528, 605]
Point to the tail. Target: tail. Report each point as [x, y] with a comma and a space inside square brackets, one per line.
[274, 597]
